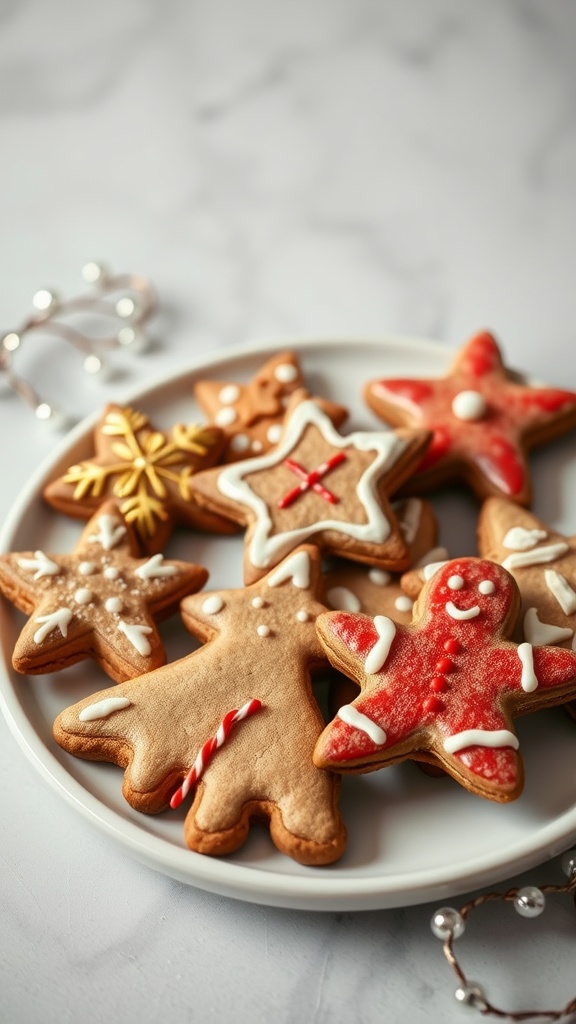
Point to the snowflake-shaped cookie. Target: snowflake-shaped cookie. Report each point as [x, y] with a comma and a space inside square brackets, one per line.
[147, 471]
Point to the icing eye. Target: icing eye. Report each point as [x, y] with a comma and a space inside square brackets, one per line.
[455, 583]
[486, 587]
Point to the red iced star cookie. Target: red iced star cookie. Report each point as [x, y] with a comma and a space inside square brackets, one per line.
[99, 601]
[147, 472]
[483, 421]
[316, 485]
[444, 689]
[251, 415]
[261, 645]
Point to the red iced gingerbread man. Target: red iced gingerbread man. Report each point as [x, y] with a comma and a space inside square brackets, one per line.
[444, 689]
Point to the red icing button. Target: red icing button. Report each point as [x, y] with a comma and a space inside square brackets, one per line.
[432, 704]
[443, 665]
[451, 646]
[438, 683]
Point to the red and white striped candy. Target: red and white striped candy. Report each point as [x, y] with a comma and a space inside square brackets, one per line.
[206, 753]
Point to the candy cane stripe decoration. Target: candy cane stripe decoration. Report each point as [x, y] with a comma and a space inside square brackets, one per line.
[206, 753]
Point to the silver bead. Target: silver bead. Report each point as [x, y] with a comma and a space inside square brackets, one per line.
[94, 273]
[529, 901]
[11, 341]
[569, 864]
[45, 301]
[447, 922]
[471, 995]
[132, 338]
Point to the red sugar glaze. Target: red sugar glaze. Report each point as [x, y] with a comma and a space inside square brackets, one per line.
[480, 356]
[415, 391]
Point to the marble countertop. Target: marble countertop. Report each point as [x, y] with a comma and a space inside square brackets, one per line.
[313, 168]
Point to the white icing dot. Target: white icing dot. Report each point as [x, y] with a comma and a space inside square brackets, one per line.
[224, 417]
[257, 446]
[113, 604]
[486, 587]
[111, 572]
[257, 602]
[404, 603]
[455, 583]
[86, 568]
[343, 599]
[263, 630]
[83, 595]
[213, 604]
[303, 615]
[274, 433]
[240, 442]
[469, 405]
[230, 393]
[379, 577]
[286, 373]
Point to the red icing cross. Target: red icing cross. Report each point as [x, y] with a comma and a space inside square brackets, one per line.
[311, 481]
[443, 676]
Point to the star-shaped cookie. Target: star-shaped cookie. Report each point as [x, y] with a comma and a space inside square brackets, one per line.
[543, 563]
[261, 644]
[251, 414]
[147, 471]
[483, 421]
[316, 485]
[100, 601]
[444, 689]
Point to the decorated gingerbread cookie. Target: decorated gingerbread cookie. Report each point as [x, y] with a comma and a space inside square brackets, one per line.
[482, 419]
[316, 485]
[446, 688]
[359, 588]
[235, 721]
[251, 415]
[543, 563]
[146, 471]
[100, 601]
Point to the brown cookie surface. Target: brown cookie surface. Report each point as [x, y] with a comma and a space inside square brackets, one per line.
[261, 644]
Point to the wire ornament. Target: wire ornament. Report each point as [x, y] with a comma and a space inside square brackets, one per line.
[448, 924]
[126, 300]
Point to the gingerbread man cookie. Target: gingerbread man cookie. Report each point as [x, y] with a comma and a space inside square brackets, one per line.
[251, 415]
[164, 728]
[444, 689]
[316, 485]
[147, 472]
[99, 601]
[482, 419]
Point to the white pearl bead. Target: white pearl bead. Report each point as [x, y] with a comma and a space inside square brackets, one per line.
[94, 273]
[125, 307]
[446, 922]
[133, 339]
[529, 901]
[11, 341]
[569, 864]
[51, 416]
[471, 995]
[45, 301]
[94, 365]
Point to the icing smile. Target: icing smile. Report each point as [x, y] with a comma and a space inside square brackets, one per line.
[462, 614]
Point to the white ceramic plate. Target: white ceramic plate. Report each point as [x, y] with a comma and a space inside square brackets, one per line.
[412, 838]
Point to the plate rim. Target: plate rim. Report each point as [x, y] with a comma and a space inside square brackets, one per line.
[323, 892]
